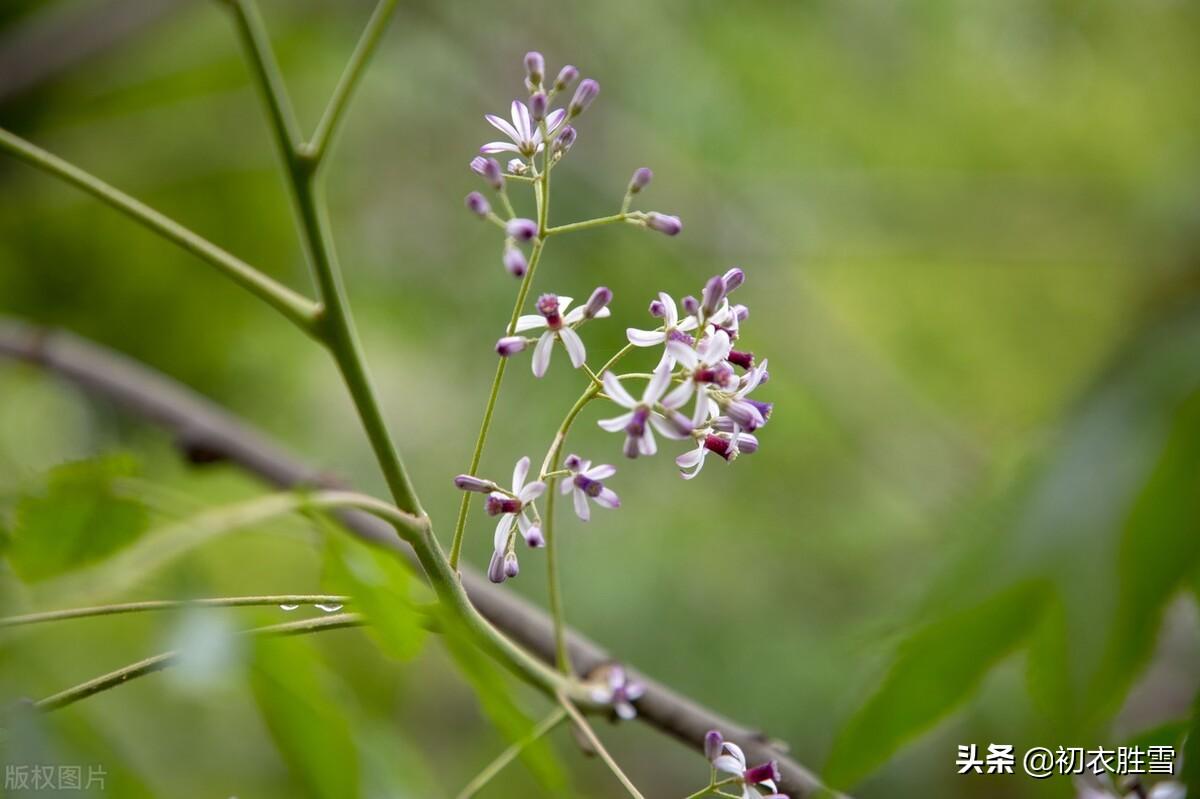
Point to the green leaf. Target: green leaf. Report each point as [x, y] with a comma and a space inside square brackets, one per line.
[1160, 548]
[309, 730]
[498, 705]
[935, 669]
[75, 518]
[380, 584]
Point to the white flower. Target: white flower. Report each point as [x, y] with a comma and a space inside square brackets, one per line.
[665, 308]
[706, 370]
[515, 506]
[585, 483]
[619, 691]
[639, 436]
[732, 760]
[727, 445]
[550, 316]
[526, 136]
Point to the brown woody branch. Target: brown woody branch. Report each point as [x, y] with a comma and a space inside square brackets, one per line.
[206, 432]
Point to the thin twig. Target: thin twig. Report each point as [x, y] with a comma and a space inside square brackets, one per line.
[172, 604]
[166, 659]
[582, 725]
[508, 755]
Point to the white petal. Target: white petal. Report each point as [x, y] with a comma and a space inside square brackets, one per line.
[601, 472]
[616, 391]
[737, 753]
[665, 428]
[683, 353]
[500, 539]
[529, 322]
[615, 424]
[499, 147]
[503, 126]
[728, 765]
[680, 395]
[520, 472]
[541, 354]
[715, 348]
[626, 711]
[671, 317]
[532, 491]
[574, 345]
[691, 458]
[575, 315]
[687, 324]
[603, 313]
[520, 115]
[700, 413]
[564, 303]
[565, 486]
[647, 444]
[657, 385]
[608, 498]
[581, 506]
[645, 338]
[554, 118]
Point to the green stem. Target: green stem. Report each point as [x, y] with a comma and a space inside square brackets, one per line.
[298, 309]
[335, 111]
[166, 659]
[711, 788]
[171, 604]
[508, 755]
[585, 225]
[586, 729]
[464, 505]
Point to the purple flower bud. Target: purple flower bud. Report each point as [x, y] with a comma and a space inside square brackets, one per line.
[584, 96]
[744, 414]
[496, 568]
[511, 567]
[764, 409]
[509, 345]
[534, 537]
[733, 278]
[766, 376]
[657, 309]
[466, 482]
[514, 262]
[712, 744]
[742, 359]
[664, 223]
[741, 312]
[477, 164]
[565, 139]
[714, 292]
[535, 67]
[489, 170]
[477, 205]
[521, 229]
[573, 462]
[690, 305]
[566, 76]
[767, 771]
[537, 106]
[640, 180]
[747, 444]
[599, 300]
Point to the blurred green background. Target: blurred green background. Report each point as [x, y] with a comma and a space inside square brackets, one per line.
[972, 239]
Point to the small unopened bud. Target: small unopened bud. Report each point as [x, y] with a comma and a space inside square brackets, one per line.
[663, 223]
[490, 171]
[584, 96]
[714, 292]
[690, 304]
[521, 229]
[477, 205]
[467, 482]
[496, 568]
[747, 444]
[477, 164]
[534, 537]
[599, 300]
[515, 263]
[535, 67]
[744, 414]
[517, 167]
[573, 462]
[741, 312]
[733, 278]
[566, 76]
[509, 345]
[565, 139]
[537, 106]
[657, 309]
[640, 180]
[511, 567]
[712, 744]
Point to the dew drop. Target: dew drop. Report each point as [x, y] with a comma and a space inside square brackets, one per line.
[328, 608]
[288, 607]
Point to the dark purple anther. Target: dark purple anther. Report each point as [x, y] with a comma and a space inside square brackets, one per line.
[599, 300]
[589, 486]
[478, 205]
[566, 76]
[510, 345]
[515, 263]
[733, 278]
[742, 359]
[535, 67]
[714, 292]
[637, 422]
[640, 180]
[690, 304]
[534, 537]
[468, 482]
[537, 106]
[547, 306]
[720, 446]
[521, 229]
[664, 223]
[712, 744]
[496, 568]
[764, 408]
[497, 504]
[584, 96]
[760, 774]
